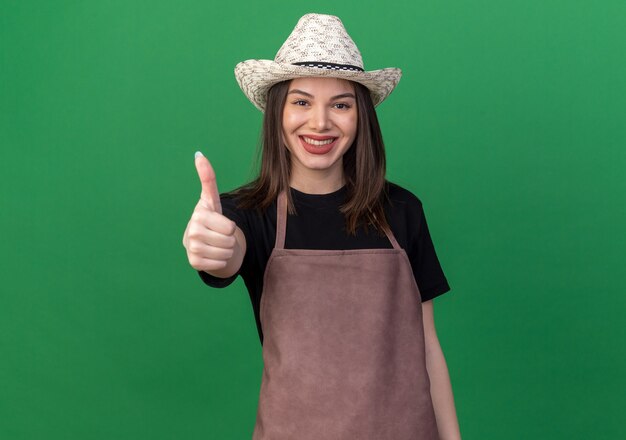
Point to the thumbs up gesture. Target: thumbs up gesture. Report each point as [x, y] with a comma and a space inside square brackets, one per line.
[213, 242]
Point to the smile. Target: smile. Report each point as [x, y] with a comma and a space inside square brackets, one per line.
[318, 146]
[318, 143]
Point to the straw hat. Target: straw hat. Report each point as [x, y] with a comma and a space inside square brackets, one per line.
[318, 46]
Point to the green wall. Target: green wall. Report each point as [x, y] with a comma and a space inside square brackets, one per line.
[509, 124]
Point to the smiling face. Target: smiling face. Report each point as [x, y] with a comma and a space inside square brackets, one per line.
[319, 126]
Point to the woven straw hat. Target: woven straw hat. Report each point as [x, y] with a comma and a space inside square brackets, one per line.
[318, 46]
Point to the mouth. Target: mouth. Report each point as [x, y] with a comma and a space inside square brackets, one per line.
[319, 144]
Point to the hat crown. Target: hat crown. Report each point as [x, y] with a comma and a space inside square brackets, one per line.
[320, 38]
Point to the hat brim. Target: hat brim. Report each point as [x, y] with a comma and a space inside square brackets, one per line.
[256, 77]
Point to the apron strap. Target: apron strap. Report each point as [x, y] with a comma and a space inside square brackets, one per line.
[281, 224]
[392, 239]
[281, 220]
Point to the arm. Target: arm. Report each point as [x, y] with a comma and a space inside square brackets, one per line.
[440, 387]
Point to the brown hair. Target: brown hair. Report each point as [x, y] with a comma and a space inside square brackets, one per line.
[364, 164]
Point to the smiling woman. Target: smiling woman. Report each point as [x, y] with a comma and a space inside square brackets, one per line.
[319, 126]
[344, 314]
[362, 161]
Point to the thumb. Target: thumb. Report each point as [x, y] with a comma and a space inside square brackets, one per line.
[210, 196]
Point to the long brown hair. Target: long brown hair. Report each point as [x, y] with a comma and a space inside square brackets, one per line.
[364, 164]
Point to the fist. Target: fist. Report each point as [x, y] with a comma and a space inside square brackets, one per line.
[210, 237]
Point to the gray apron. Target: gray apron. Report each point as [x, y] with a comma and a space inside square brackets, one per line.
[343, 346]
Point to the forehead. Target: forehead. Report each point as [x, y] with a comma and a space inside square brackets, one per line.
[322, 86]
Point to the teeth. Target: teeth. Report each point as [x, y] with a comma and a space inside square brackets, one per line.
[317, 143]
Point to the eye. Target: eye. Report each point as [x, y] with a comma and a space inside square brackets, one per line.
[300, 102]
[342, 106]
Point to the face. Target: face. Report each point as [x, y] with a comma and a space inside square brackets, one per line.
[319, 126]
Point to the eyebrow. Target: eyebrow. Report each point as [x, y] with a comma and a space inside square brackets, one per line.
[343, 95]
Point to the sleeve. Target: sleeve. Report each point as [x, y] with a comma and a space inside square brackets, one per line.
[428, 273]
[229, 209]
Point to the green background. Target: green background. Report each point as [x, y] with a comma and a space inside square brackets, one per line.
[508, 123]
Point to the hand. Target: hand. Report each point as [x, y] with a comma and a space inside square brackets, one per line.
[210, 236]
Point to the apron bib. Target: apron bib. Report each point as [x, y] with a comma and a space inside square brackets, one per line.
[343, 346]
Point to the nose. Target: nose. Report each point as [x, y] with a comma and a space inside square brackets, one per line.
[320, 119]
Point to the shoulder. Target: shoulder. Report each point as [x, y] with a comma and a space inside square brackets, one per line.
[241, 200]
[235, 195]
[249, 217]
[402, 198]
[405, 214]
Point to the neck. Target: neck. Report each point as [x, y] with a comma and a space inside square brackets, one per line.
[319, 182]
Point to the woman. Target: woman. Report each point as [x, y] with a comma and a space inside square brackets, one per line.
[331, 253]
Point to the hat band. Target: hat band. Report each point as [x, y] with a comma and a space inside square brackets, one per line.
[332, 66]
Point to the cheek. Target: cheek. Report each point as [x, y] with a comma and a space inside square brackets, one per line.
[351, 125]
[291, 121]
